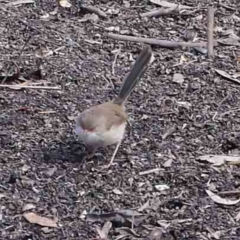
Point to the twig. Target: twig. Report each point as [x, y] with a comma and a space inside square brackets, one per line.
[227, 7]
[115, 59]
[29, 87]
[155, 170]
[95, 10]
[161, 12]
[154, 41]
[210, 26]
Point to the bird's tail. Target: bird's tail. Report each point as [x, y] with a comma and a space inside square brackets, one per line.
[134, 76]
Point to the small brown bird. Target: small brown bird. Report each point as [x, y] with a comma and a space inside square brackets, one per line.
[104, 124]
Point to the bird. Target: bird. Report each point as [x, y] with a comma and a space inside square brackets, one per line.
[104, 124]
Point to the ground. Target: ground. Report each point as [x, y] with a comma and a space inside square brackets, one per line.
[40, 168]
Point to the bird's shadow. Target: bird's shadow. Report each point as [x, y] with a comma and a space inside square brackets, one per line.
[67, 149]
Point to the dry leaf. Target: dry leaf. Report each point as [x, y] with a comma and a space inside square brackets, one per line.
[155, 234]
[65, 3]
[221, 200]
[226, 75]
[186, 105]
[162, 187]
[231, 41]
[237, 217]
[169, 5]
[28, 206]
[112, 28]
[168, 163]
[90, 17]
[214, 234]
[116, 191]
[183, 59]
[42, 221]
[218, 160]
[43, 53]
[178, 78]
[103, 233]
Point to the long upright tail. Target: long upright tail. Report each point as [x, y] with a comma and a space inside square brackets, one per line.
[134, 76]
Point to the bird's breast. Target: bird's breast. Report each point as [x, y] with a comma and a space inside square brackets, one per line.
[101, 138]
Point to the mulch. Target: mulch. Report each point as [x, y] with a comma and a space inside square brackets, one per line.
[39, 153]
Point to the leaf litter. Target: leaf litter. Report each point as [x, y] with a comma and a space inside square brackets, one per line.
[80, 70]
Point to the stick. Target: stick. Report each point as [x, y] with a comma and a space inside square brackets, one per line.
[114, 61]
[95, 10]
[154, 41]
[161, 12]
[29, 87]
[210, 26]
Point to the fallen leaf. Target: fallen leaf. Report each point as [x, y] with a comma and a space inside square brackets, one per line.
[83, 214]
[46, 230]
[226, 75]
[42, 221]
[90, 17]
[103, 233]
[43, 53]
[118, 192]
[162, 187]
[168, 163]
[231, 41]
[155, 234]
[237, 217]
[51, 171]
[112, 28]
[65, 3]
[144, 206]
[214, 234]
[186, 105]
[218, 160]
[183, 59]
[221, 200]
[163, 223]
[169, 5]
[28, 206]
[178, 78]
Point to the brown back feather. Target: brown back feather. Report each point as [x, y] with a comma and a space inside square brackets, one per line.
[102, 117]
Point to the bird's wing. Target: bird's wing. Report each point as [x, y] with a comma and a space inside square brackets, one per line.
[102, 117]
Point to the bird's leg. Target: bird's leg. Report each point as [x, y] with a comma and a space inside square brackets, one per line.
[114, 154]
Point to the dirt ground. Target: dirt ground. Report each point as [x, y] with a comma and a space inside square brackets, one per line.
[173, 121]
